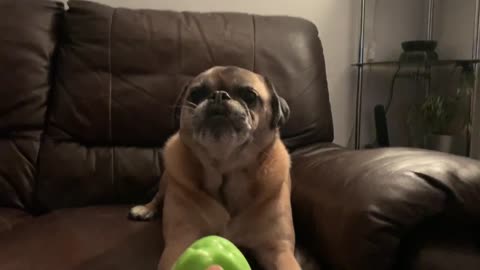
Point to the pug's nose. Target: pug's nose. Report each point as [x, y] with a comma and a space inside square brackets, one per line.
[219, 96]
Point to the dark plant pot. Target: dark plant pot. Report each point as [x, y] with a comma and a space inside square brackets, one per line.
[419, 45]
[453, 144]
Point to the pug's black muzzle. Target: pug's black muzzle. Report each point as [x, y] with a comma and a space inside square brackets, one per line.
[217, 104]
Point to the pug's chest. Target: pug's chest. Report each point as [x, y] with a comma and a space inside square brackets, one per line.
[233, 190]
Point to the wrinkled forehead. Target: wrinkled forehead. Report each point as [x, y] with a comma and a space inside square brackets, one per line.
[231, 78]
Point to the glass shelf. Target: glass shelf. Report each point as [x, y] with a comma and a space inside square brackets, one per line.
[458, 62]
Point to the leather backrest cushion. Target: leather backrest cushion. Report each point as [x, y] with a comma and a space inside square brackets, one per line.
[27, 45]
[120, 72]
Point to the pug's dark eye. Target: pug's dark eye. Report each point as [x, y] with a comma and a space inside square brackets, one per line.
[248, 95]
[198, 94]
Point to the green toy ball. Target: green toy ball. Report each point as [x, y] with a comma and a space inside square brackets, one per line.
[212, 250]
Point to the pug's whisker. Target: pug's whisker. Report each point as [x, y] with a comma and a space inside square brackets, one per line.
[191, 104]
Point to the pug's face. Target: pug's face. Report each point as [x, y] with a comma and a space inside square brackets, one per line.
[230, 106]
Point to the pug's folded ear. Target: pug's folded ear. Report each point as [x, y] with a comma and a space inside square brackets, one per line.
[280, 108]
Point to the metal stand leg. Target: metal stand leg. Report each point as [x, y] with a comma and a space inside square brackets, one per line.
[430, 22]
[472, 131]
[361, 58]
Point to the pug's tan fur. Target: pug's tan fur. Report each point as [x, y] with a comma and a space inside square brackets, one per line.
[241, 193]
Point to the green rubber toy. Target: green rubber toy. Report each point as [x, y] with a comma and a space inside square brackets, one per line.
[212, 250]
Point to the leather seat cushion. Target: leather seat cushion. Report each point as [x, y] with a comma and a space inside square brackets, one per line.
[82, 238]
[9, 218]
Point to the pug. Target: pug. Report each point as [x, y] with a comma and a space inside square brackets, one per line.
[227, 171]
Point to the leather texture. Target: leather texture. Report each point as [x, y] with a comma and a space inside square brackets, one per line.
[93, 238]
[365, 204]
[10, 218]
[27, 44]
[120, 73]
[88, 99]
[441, 243]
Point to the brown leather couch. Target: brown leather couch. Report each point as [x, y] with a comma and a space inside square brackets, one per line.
[87, 101]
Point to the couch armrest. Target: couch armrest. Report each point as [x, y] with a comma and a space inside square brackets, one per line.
[357, 206]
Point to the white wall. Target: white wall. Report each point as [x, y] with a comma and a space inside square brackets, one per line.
[389, 23]
[454, 30]
[335, 20]
[395, 21]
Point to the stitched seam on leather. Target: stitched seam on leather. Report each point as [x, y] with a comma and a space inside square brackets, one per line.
[21, 154]
[21, 195]
[53, 82]
[110, 78]
[254, 41]
[112, 148]
[205, 40]
[20, 201]
[180, 69]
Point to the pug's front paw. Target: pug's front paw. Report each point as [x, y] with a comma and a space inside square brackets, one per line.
[142, 213]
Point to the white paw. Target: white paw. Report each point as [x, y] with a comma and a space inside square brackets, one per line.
[141, 212]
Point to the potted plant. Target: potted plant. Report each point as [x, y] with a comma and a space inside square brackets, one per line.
[444, 126]
[442, 122]
[447, 118]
